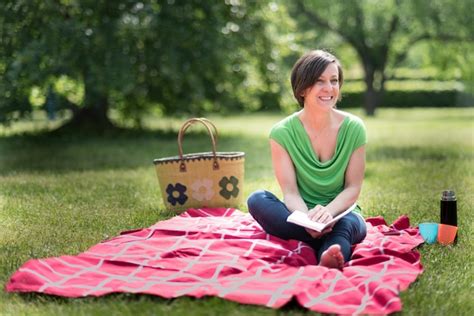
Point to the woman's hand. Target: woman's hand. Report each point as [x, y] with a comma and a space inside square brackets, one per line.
[320, 214]
[316, 234]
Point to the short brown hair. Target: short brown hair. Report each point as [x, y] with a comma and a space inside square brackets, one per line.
[309, 68]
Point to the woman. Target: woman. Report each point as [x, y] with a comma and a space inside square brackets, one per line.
[318, 156]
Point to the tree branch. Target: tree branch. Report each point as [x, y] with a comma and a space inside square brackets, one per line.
[359, 36]
[311, 16]
[399, 58]
[393, 27]
[314, 17]
[387, 44]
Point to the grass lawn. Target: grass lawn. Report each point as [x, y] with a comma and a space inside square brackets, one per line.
[61, 195]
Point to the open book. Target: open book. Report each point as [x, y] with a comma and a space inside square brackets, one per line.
[301, 218]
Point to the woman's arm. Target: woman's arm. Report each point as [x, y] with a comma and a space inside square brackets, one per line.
[354, 177]
[353, 183]
[286, 176]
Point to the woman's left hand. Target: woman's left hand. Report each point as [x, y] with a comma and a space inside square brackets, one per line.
[316, 234]
[320, 214]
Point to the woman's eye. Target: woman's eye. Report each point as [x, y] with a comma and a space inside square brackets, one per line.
[334, 81]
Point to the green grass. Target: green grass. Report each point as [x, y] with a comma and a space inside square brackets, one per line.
[61, 195]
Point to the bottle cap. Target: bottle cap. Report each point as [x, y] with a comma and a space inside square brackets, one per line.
[448, 195]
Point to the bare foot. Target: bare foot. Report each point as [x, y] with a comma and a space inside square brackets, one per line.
[332, 258]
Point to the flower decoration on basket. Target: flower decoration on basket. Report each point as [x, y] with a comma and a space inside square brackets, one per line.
[205, 179]
[229, 187]
[176, 194]
[202, 190]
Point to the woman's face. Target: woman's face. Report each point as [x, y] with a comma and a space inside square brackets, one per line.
[325, 91]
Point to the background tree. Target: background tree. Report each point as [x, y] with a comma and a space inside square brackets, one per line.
[196, 56]
[174, 56]
[383, 32]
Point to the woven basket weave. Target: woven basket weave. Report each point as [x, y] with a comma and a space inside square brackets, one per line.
[207, 179]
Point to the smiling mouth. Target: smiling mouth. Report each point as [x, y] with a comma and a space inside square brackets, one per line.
[326, 98]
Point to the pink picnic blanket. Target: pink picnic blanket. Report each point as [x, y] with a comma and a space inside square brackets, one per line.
[224, 252]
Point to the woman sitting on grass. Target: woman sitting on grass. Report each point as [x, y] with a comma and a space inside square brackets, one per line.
[318, 157]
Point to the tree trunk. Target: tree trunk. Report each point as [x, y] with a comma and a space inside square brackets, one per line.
[375, 82]
[92, 118]
[371, 100]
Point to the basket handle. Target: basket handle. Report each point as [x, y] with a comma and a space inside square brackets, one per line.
[205, 122]
[211, 129]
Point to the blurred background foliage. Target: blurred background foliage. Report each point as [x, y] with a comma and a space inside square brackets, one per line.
[87, 59]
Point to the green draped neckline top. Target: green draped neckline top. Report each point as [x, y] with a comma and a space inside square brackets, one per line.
[319, 182]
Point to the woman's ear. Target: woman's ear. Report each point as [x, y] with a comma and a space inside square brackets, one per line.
[303, 93]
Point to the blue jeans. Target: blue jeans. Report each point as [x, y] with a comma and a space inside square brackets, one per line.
[271, 214]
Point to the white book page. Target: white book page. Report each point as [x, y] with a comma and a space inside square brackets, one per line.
[302, 219]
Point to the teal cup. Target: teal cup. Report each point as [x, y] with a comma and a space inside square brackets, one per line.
[429, 232]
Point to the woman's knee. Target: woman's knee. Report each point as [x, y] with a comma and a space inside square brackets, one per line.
[351, 227]
[362, 229]
[261, 202]
[255, 201]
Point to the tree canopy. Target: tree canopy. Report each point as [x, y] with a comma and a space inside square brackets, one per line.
[198, 56]
[183, 56]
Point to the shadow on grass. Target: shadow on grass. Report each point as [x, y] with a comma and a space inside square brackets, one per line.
[125, 149]
[131, 149]
[207, 303]
[51, 298]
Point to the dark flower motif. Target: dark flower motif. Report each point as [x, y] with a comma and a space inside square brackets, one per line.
[229, 187]
[176, 194]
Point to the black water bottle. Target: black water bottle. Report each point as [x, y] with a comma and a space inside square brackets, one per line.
[448, 208]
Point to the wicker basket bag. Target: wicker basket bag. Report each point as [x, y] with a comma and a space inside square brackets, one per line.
[207, 179]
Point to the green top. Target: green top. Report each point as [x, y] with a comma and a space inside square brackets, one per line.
[319, 182]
